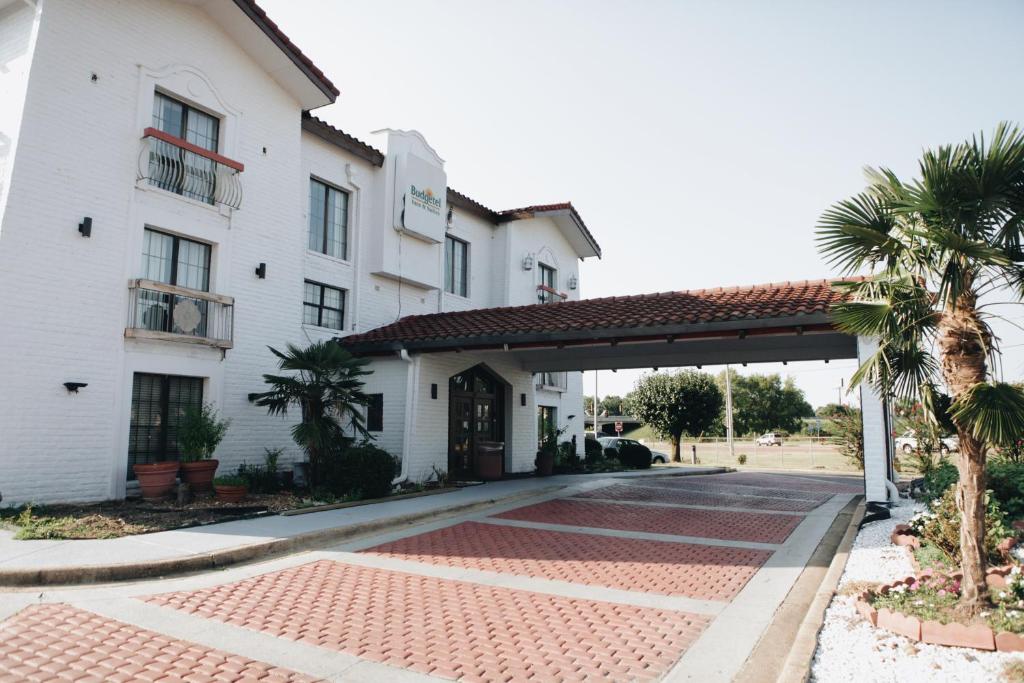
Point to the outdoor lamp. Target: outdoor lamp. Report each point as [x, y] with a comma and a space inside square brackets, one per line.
[528, 262]
[573, 282]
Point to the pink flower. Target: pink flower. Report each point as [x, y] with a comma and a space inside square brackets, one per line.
[928, 572]
[914, 586]
[942, 593]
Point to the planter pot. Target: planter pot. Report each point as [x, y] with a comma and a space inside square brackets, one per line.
[157, 479]
[545, 464]
[230, 494]
[199, 474]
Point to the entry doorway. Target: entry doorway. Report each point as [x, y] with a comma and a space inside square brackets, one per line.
[476, 412]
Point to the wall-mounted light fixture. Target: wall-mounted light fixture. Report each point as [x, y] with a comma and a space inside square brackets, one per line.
[73, 387]
[450, 219]
[522, 399]
[528, 262]
[573, 282]
[85, 227]
[261, 271]
[433, 391]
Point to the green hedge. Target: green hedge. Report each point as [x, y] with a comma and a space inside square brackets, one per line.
[1004, 478]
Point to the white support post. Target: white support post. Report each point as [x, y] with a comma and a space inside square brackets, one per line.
[877, 440]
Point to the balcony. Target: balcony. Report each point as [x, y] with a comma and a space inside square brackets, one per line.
[553, 381]
[178, 166]
[547, 295]
[170, 313]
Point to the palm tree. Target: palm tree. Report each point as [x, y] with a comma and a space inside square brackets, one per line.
[327, 389]
[934, 246]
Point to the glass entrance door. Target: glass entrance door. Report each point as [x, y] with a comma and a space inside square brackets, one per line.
[475, 415]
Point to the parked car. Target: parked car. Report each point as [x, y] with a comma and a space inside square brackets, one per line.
[768, 439]
[617, 442]
[907, 443]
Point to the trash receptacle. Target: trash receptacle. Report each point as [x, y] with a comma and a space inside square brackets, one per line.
[489, 455]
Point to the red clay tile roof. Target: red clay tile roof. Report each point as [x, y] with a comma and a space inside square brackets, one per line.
[640, 313]
[531, 211]
[274, 32]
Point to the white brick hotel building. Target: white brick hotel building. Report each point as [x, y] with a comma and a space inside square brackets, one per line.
[169, 209]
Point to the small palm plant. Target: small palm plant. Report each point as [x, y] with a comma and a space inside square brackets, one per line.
[325, 385]
[934, 246]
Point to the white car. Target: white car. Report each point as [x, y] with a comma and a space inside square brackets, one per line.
[769, 439]
[908, 443]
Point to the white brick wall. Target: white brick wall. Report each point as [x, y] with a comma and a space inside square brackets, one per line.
[64, 298]
[876, 433]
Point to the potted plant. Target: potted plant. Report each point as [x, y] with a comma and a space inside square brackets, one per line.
[199, 434]
[548, 451]
[230, 489]
[156, 479]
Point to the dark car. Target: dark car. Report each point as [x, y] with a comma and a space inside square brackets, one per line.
[617, 444]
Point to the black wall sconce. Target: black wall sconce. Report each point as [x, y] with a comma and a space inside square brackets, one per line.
[73, 387]
[85, 227]
[261, 271]
[433, 391]
[522, 399]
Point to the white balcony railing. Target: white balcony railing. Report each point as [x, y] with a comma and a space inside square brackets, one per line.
[166, 312]
[178, 166]
[555, 381]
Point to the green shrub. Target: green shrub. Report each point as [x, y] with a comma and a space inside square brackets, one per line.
[262, 478]
[566, 458]
[742, 458]
[361, 471]
[940, 526]
[229, 480]
[937, 481]
[1006, 480]
[200, 432]
[592, 448]
[635, 456]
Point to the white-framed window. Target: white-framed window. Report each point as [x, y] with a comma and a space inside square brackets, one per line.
[456, 266]
[175, 168]
[323, 306]
[328, 220]
[548, 278]
[554, 380]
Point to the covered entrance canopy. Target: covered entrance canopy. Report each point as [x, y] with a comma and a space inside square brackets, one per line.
[786, 321]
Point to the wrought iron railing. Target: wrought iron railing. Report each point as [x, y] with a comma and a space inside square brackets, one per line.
[161, 311]
[178, 166]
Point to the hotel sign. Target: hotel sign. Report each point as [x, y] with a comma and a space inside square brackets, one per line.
[425, 191]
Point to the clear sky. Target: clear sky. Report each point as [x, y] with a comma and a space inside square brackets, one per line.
[700, 141]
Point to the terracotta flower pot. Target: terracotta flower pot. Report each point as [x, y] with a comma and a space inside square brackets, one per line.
[156, 479]
[199, 474]
[230, 494]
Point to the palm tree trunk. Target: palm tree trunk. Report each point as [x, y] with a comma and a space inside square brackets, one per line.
[962, 348]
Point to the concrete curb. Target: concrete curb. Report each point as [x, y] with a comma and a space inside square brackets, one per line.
[84, 574]
[797, 666]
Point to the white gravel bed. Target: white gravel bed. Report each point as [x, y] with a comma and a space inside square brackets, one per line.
[850, 649]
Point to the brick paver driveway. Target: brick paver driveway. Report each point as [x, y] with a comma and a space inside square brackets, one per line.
[630, 579]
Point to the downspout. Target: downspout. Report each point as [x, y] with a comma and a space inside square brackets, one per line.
[412, 382]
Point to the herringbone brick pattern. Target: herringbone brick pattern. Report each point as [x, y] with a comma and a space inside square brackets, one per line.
[451, 629]
[695, 571]
[659, 494]
[56, 642]
[725, 525]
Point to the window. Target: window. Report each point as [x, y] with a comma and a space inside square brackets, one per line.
[553, 379]
[323, 306]
[456, 266]
[176, 261]
[547, 279]
[159, 402]
[547, 423]
[328, 220]
[176, 169]
[375, 413]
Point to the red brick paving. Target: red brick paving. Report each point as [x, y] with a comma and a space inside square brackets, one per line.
[60, 642]
[452, 629]
[783, 481]
[659, 494]
[767, 491]
[695, 571]
[725, 525]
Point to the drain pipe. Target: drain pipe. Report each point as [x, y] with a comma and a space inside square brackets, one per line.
[894, 493]
[412, 382]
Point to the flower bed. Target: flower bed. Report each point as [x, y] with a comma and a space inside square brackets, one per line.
[922, 608]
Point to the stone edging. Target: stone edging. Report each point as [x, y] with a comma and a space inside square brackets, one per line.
[979, 636]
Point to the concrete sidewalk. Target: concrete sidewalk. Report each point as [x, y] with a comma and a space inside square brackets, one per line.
[41, 562]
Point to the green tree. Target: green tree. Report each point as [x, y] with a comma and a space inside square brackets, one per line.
[849, 430]
[673, 404]
[325, 385]
[933, 245]
[612, 404]
[831, 410]
[762, 403]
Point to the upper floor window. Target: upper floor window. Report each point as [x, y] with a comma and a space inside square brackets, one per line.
[456, 266]
[175, 168]
[323, 306]
[328, 220]
[176, 261]
[547, 280]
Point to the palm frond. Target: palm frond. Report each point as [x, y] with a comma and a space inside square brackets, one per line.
[992, 412]
[857, 232]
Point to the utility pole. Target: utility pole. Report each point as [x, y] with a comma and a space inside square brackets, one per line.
[842, 380]
[728, 413]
